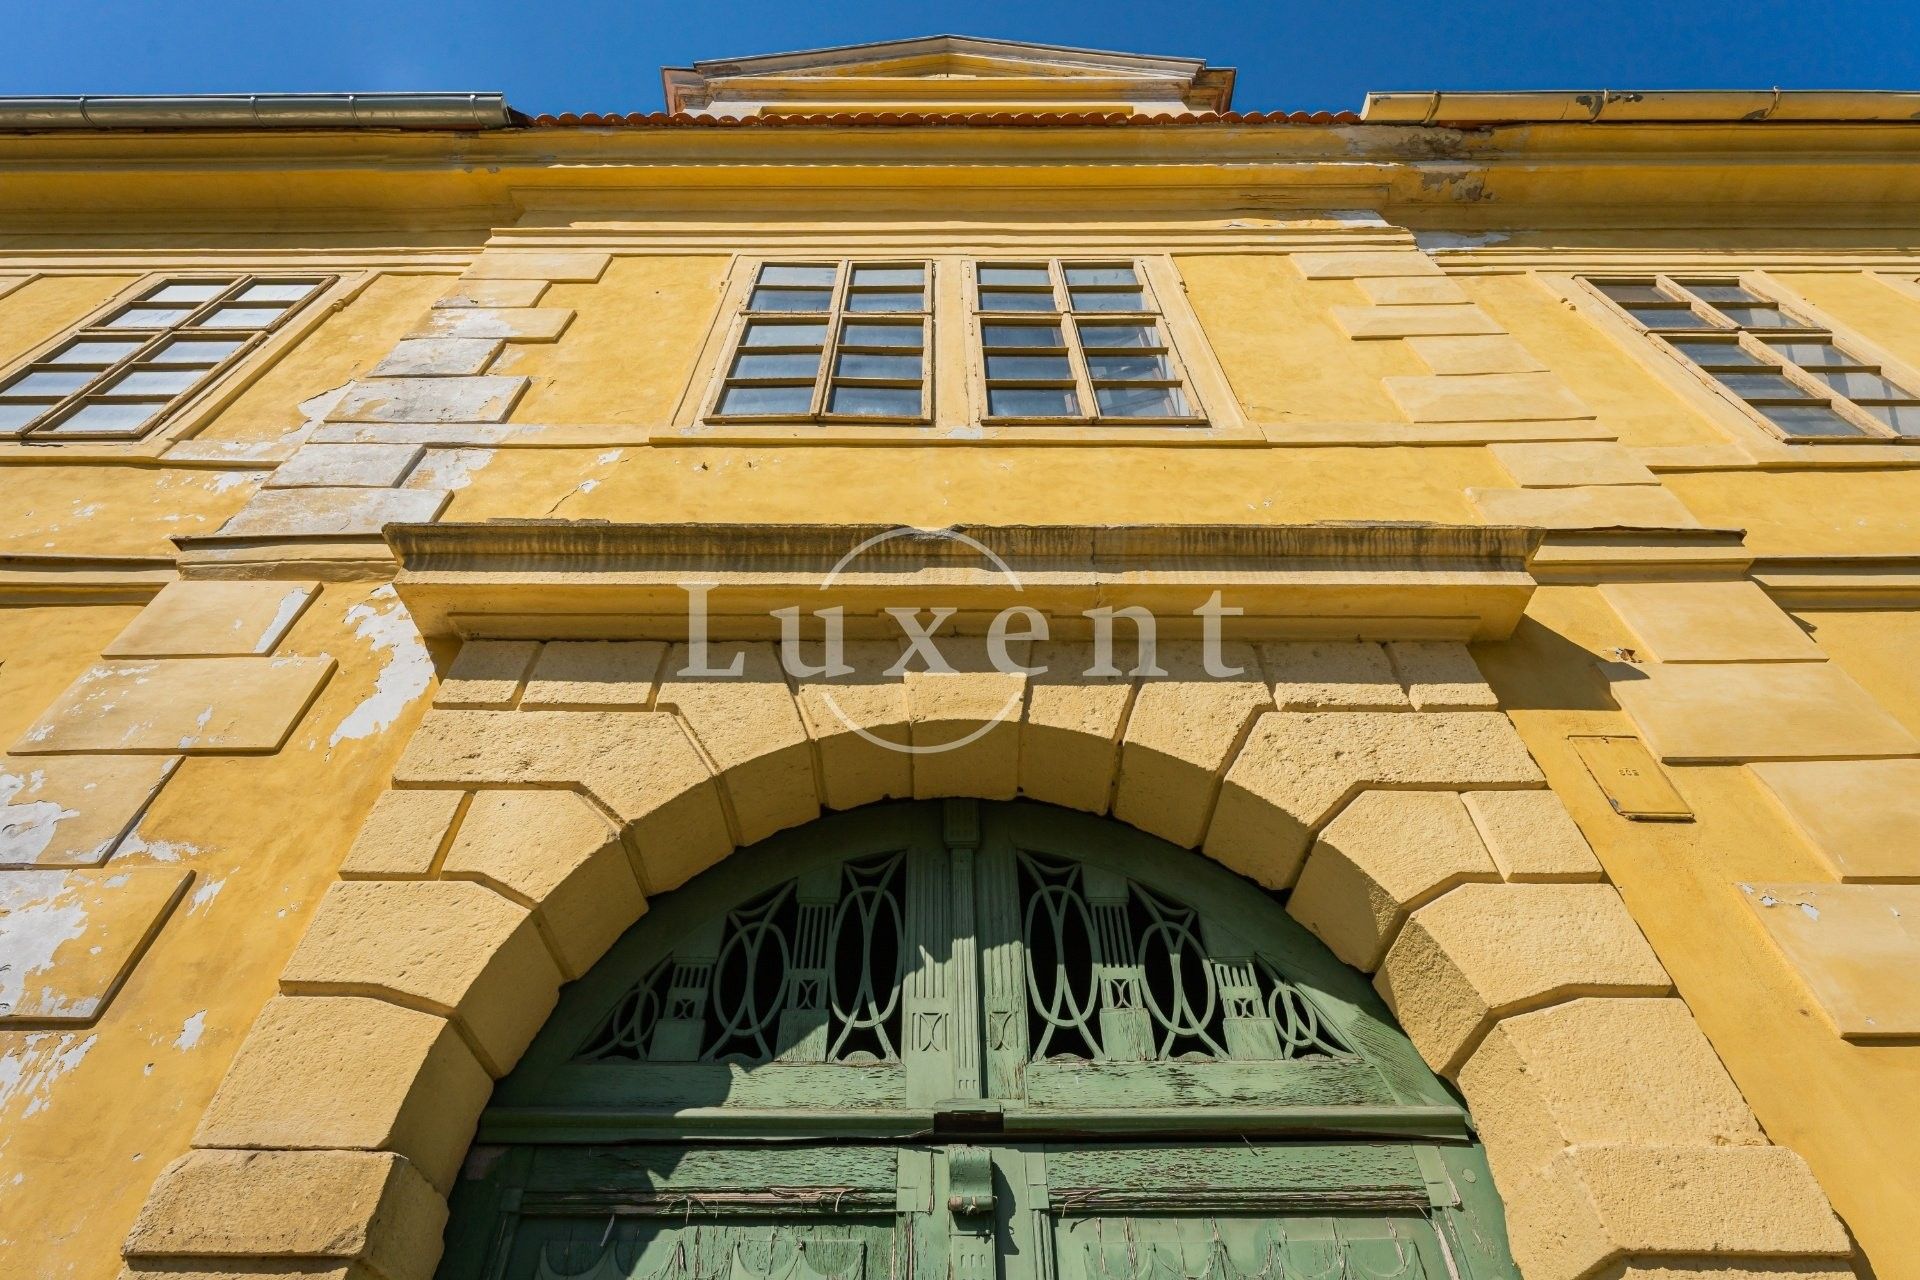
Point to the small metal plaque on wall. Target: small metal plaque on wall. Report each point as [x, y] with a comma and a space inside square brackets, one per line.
[1635, 784]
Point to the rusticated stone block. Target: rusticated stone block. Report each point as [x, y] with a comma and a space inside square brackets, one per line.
[640, 764]
[1600, 1071]
[1408, 322]
[213, 619]
[402, 836]
[1485, 951]
[1181, 737]
[859, 725]
[1400, 291]
[1440, 675]
[1332, 676]
[372, 1208]
[1298, 768]
[1532, 836]
[487, 673]
[1387, 853]
[1070, 735]
[1492, 353]
[751, 732]
[70, 811]
[965, 724]
[345, 1072]
[455, 948]
[554, 853]
[1618, 506]
[586, 675]
[1600, 1204]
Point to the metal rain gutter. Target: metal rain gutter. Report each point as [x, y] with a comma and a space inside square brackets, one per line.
[1666, 106]
[259, 111]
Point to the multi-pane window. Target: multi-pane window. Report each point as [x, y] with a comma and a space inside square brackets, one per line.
[129, 366]
[1787, 370]
[1075, 341]
[832, 342]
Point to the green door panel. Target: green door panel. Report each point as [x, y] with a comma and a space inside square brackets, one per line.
[963, 1041]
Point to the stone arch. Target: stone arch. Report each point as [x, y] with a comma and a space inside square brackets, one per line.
[1385, 790]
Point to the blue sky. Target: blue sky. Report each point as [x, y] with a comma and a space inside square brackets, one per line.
[604, 55]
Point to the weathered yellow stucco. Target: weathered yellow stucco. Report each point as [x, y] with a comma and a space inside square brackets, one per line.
[427, 474]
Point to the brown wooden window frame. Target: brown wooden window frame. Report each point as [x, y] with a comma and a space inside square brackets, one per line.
[1068, 319]
[1709, 323]
[148, 341]
[834, 347]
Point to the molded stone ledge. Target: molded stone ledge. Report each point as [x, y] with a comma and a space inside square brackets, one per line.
[1600, 1204]
[348, 1072]
[1184, 727]
[192, 706]
[373, 1209]
[484, 399]
[213, 619]
[447, 946]
[1298, 768]
[1486, 951]
[70, 811]
[1600, 1071]
[1386, 854]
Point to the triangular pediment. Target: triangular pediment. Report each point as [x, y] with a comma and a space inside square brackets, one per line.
[948, 73]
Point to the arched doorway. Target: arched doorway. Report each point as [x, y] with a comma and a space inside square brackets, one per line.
[986, 1041]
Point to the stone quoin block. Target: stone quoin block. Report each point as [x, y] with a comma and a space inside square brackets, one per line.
[561, 268]
[493, 293]
[509, 324]
[213, 619]
[68, 939]
[1485, 397]
[438, 357]
[483, 399]
[1563, 464]
[332, 512]
[1467, 354]
[1748, 711]
[1863, 816]
[346, 1072]
[180, 706]
[70, 811]
[370, 466]
[1709, 622]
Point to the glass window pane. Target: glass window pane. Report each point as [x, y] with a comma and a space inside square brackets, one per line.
[1670, 318]
[877, 402]
[858, 365]
[798, 364]
[149, 317]
[785, 400]
[1811, 352]
[1761, 317]
[199, 291]
[1103, 368]
[282, 292]
[16, 415]
[791, 300]
[1021, 335]
[153, 382]
[1119, 274]
[880, 335]
[1009, 300]
[1141, 402]
[1027, 275]
[797, 273]
[1629, 293]
[1808, 420]
[1722, 293]
[1856, 386]
[94, 354]
[239, 318]
[1032, 402]
[202, 351]
[48, 382]
[1095, 337]
[1904, 418]
[1764, 386]
[99, 419]
[1035, 367]
[885, 301]
[762, 334]
[912, 276]
[1119, 300]
[1718, 353]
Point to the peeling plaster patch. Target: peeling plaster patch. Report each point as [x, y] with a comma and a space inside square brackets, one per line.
[205, 894]
[315, 408]
[226, 480]
[41, 917]
[1357, 217]
[190, 1031]
[406, 675]
[1453, 241]
[27, 829]
[30, 1069]
[448, 468]
[610, 457]
[159, 850]
[588, 486]
[1812, 912]
[289, 608]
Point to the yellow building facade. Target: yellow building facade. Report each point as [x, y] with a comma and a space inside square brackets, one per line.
[421, 533]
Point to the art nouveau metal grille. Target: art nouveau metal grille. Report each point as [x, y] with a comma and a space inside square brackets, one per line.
[809, 971]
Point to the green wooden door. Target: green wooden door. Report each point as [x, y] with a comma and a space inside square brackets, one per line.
[981, 1041]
